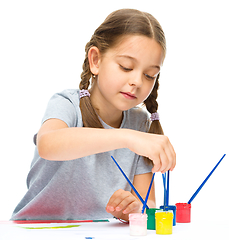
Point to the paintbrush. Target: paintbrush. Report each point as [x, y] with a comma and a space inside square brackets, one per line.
[209, 175]
[132, 186]
[147, 195]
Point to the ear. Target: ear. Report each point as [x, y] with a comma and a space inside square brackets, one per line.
[94, 59]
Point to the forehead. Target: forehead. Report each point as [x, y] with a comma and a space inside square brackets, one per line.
[141, 48]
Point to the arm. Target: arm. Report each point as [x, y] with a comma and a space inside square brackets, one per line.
[141, 183]
[56, 141]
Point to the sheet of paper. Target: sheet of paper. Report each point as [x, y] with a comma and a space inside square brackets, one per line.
[101, 230]
[110, 230]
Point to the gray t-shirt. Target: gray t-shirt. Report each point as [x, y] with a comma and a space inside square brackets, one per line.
[80, 188]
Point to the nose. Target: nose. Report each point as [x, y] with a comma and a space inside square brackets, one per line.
[136, 80]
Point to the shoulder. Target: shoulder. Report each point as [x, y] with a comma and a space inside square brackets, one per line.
[68, 94]
[68, 98]
[138, 119]
[64, 106]
[138, 112]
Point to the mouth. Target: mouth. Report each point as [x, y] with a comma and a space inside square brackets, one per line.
[128, 95]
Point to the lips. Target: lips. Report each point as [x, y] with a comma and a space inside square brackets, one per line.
[128, 95]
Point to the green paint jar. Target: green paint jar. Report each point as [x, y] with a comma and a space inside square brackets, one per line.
[151, 223]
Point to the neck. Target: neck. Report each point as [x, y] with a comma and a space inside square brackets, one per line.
[110, 115]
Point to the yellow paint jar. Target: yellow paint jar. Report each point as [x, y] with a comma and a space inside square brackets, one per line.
[164, 222]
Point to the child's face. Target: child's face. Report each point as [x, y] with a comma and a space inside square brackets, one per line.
[127, 72]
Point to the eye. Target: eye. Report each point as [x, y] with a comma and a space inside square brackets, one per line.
[125, 69]
[150, 77]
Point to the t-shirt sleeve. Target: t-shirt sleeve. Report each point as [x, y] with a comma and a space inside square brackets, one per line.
[143, 166]
[61, 106]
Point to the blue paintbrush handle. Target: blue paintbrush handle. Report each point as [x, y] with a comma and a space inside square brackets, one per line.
[147, 195]
[132, 186]
[165, 190]
[164, 179]
[197, 191]
[167, 195]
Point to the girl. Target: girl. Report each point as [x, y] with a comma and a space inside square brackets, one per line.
[72, 175]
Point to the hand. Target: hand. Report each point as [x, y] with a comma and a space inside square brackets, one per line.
[156, 147]
[122, 203]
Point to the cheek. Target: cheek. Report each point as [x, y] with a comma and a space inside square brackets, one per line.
[148, 87]
[110, 78]
[106, 82]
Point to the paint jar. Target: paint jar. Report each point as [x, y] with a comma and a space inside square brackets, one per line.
[183, 213]
[138, 224]
[151, 223]
[173, 208]
[164, 222]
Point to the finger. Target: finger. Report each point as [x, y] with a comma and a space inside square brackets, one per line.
[132, 207]
[157, 164]
[174, 159]
[169, 161]
[173, 166]
[164, 162]
[115, 195]
[125, 202]
[171, 157]
[168, 156]
[111, 205]
[116, 199]
[165, 158]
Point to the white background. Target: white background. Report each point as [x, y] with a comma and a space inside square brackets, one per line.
[42, 51]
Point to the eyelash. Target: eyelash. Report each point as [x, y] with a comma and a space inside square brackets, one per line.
[125, 69]
[129, 69]
[149, 77]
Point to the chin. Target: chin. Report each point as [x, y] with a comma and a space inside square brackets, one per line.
[125, 108]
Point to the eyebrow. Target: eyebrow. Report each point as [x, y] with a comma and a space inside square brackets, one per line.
[135, 60]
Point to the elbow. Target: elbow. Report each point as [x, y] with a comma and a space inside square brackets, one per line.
[44, 147]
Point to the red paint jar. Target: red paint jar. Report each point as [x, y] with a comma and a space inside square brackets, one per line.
[183, 214]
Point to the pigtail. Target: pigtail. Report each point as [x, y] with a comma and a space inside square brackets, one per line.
[152, 106]
[89, 115]
[86, 74]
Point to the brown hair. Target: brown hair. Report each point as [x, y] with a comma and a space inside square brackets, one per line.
[118, 24]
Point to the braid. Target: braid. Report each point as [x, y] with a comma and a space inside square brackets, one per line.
[151, 102]
[152, 106]
[86, 74]
[89, 115]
